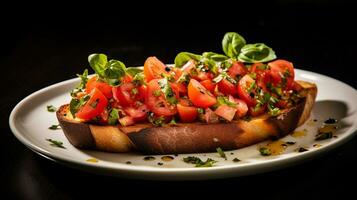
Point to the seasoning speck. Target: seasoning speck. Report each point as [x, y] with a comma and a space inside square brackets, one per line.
[315, 120]
[335, 136]
[160, 163]
[301, 149]
[317, 145]
[149, 158]
[128, 162]
[175, 155]
[232, 153]
[236, 160]
[290, 143]
[330, 121]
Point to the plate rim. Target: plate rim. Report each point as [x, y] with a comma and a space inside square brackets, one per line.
[132, 168]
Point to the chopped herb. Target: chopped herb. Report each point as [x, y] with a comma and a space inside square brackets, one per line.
[169, 77]
[134, 91]
[331, 121]
[113, 117]
[200, 111]
[167, 90]
[76, 104]
[184, 78]
[264, 151]
[94, 104]
[221, 153]
[251, 87]
[225, 101]
[173, 121]
[224, 75]
[139, 79]
[80, 87]
[302, 149]
[51, 108]
[236, 160]
[157, 93]
[56, 143]
[54, 127]
[156, 121]
[198, 162]
[324, 136]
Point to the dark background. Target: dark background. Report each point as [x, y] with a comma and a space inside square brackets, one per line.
[42, 46]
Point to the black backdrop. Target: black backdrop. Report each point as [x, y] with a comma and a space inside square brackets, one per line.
[40, 47]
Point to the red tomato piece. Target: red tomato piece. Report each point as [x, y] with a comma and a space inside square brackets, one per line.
[227, 112]
[127, 94]
[156, 100]
[237, 69]
[227, 87]
[282, 73]
[105, 88]
[153, 68]
[257, 111]
[94, 106]
[199, 95]
[241, 107]
[244, 86]
[209, 85]
[187, 113]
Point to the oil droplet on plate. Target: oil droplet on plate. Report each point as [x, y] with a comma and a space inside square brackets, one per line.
[93, 160]
[167, 158]
[297, 134]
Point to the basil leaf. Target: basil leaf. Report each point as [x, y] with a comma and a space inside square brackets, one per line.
[114, 70]
[76, 104]
[133, 70]
[113, 117]
[215, 56]
[232, 44]
[259, 52]
[167, 90]
[225, 101]
[98, 62]
[198, 162]
[183, 57]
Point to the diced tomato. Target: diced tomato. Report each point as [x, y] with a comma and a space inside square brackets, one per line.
[190, 67]
[153, 68]
[227, 87]
[138, 114]
[156, 100]
[226, 112]
[210, 117]
[258, 68]
[282, 104]
[126, 121]
[178, 72]
[94, 106]
[241, 107]
[127, 79]
[243, 86]
[282, 73]
[199, 95]
[205, 76]
[179, 88]
[237, 69]
[262, 74]
[257, 111]
[209, 85]
[187, 113]
[127, 94]
[142, 92]
[185, 102]
[102, 86]
[104, 117]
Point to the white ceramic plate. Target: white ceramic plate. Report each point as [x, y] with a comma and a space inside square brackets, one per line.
[30, 120]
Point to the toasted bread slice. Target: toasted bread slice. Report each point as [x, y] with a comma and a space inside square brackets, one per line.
[187, 137]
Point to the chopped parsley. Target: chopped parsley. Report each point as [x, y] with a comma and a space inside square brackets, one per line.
[221, 153]
[56, 143]
[264, 151]
[51, 108]
[236, 160]
[167, 90]
[54, 127]
[225, 101]
[113, 117]
[198, 162]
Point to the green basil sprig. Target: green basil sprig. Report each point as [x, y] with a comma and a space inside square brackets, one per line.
[235, 47]
[253, 53]
[183, 57]
[232, 44]
[110, 71]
